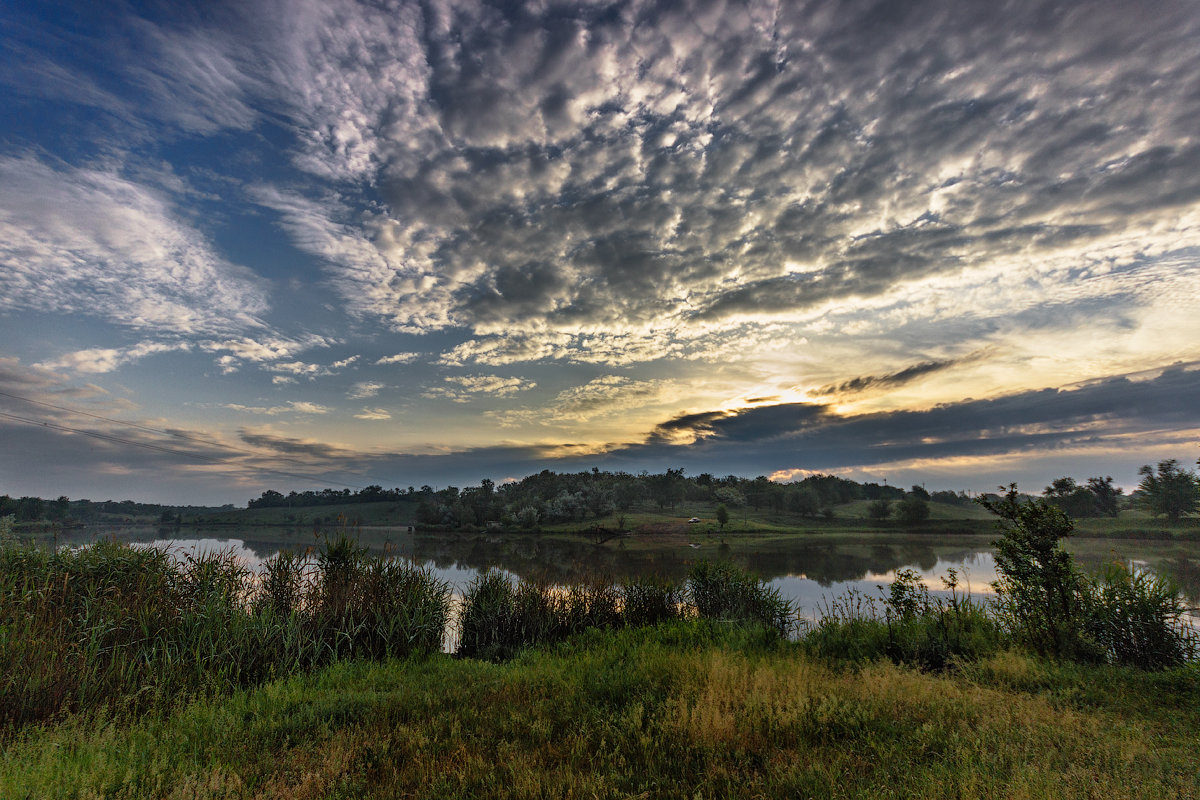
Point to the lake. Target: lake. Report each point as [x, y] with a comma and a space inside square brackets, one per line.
[808, 569]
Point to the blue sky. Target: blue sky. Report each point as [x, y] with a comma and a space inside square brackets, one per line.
[405, 243]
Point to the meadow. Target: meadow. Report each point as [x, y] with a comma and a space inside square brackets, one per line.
[130, 673]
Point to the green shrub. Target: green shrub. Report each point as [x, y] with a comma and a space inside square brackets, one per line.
[725, 591]
[1041, 595]
[1138, 619]
[651, 599]
[131, 628]
[907, 625]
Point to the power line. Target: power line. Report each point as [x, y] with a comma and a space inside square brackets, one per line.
[172, 451]
[147, 428]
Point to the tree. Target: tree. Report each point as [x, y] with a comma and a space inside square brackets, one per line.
[722, 515]
[1039, 590]
[1170, 491]
[1071, 497]
[880, 509]
[920, 493]
[912, 510]
[1107, 496]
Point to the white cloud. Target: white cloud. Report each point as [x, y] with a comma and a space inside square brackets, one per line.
[107, 359]
[472, 386]
[76, 240]
[293, 407]
[374, 414]
[399, 358]
[365, 389]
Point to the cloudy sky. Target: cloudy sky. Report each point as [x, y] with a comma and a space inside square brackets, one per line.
[293, 244]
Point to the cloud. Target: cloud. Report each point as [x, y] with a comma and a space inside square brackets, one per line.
[373, 414]
[293, 446]
[471, 386]
[900, 377]
[107, 359]
[624, 187]
[1103, 413]
[364, 389]
[605, 396]
[292, 407]
[398, 358]
[273, 348]
[76, 240]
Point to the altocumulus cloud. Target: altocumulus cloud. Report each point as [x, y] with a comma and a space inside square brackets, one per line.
[615, 182]
[89, 241]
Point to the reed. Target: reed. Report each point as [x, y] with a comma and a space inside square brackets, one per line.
[127, 629]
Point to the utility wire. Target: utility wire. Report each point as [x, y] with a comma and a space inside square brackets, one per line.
[161, 449]
[175, 434]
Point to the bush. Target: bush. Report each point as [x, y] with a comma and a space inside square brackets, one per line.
[907, 626]
[1122, 616]
[1137, 619]
[912, 510]
[130, 628]
[1041, 596]
[650, 600]
[725, 591]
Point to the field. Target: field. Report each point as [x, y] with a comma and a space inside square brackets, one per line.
[682, 710]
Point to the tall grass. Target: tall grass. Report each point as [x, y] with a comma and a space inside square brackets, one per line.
[500, 617]
[123, 628]
[1138, 619]
[908, 626]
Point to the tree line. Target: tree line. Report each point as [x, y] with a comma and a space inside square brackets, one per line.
[1166, 489]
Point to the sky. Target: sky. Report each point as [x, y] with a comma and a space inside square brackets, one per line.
[299, 244]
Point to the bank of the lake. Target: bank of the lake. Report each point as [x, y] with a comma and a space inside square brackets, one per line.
[684, 710]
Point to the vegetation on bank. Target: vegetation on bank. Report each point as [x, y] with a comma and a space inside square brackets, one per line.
[114, 659]
[550, 499]
[684, 709]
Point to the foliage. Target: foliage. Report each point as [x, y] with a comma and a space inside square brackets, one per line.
[650, 600]
[912, 510]
[687, 709]
[133, 628]
[906, 625]
[722, 515]
[1123, 616]
[880, 509]
[724, 591]
[1170, 490]
[1107, 497]
[1039, 590]
[1138, 619]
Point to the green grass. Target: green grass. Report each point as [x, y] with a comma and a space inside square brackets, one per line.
[686, 709]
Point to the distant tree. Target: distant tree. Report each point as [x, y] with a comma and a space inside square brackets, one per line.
[919, 493]
[1107, 496]
[880, 509]
[912, 510]
[57, 509]
[722, 515]
[1170, 491]
[31, 509]
[730, 496]
[804, 501]
[1072, 498]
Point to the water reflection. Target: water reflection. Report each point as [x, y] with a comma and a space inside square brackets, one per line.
[808, 569]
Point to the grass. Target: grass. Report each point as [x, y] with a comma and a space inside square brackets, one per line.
[122, 629]
[126, 673]
[684, 709]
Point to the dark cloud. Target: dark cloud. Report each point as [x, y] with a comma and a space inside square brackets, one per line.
[909, 374]
[808, 436]
[292, 446]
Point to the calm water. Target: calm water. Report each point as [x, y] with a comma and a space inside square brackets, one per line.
[807, 569]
